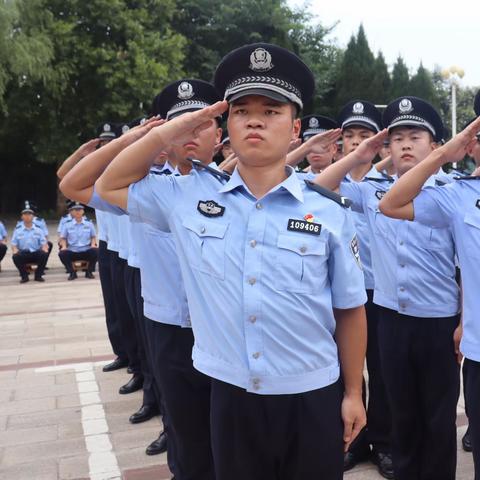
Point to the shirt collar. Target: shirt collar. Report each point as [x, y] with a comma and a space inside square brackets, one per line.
[291, 184]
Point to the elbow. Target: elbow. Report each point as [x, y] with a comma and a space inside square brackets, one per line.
[384, 207]
[100, 188]
[65, 187]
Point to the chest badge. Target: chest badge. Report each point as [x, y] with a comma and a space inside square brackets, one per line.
[478, 204]
[210, 208]
[380, 194]
[355, 249]
[304, 226]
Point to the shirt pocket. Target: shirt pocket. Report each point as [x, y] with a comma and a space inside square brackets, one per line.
[300, 265]
[471, 237]
[205, 248]
[430, 238]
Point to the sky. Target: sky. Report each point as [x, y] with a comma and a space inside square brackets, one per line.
[435, 33]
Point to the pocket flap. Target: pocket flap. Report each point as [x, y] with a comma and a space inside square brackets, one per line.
[205, 228]
[472, 219]
[301, 245]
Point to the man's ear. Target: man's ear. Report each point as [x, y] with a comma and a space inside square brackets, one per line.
[219, 135]
[297, 126]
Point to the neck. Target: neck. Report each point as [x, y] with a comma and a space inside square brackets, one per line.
[28, 224]
[78, 220]
[358, 173]
[261, 179]
[184, 168]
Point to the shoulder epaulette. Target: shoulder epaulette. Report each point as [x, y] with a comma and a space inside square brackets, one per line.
[18, 226]
[439, 183]
[343, 201]
[216, 173]
[156, 172]
[385, 178]
[469, 177]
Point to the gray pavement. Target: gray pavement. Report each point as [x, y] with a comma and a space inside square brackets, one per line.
[61, 417]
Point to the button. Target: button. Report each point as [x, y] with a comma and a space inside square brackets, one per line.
[256, 383]
[402, 289]
[401, 242]
[203, 230]
[252, 318]
[259, 206]
[402, 265]
[256, 355]
[253, 243]
[403, 306]
[303, 249]
[252, 280]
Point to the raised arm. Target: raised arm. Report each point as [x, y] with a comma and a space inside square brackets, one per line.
[398, 202]
[76, 156]
[133, 163]
[332, 176]
[317, 144]
[78, 182]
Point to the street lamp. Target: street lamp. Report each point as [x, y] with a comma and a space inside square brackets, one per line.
[453, 75]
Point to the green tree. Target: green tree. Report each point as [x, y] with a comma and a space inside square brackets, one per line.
[421, 85]
[356, 73]
[381, 83]
[400, 79]
[110, 57]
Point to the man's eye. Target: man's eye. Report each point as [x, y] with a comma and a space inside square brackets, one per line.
[271, 112]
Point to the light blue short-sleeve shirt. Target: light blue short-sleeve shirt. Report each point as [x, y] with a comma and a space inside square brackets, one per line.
[29, 239]
[78, 235]
[413, 265]
[457, 206]
[261, 276]
[3, 231]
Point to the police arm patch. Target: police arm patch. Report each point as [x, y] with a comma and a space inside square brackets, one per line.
[355, 249]
[210, 208]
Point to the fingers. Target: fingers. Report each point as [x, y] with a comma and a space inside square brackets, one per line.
[347, 433]
[473, 128]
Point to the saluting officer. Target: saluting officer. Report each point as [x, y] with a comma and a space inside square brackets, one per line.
[78, 242]
[418, 298]
[455, 206]
[271, 272]
[29, 245]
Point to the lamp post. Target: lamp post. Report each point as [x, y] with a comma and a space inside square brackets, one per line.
[453, 75]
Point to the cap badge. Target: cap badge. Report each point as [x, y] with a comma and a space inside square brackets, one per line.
[358, 108]
[405, 106]
[27, 205]
[185, 91]
[107, 127]
[142, 121]
[261, 60]
[313, 123]
[125, 129]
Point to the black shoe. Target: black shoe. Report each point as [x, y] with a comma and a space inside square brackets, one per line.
[467, 441]
[384, 463]
[353, 457]
[144, 413]
[39, 279]
[89, 275]
[72, 276]
[134, 384]
[117, 364]
[158, 446]
[24, 280]
[46, 268]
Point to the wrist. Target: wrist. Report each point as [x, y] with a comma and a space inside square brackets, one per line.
[353, 392]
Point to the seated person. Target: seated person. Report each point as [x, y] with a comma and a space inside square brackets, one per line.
[78, 242]
[3, 241]
[29, 245]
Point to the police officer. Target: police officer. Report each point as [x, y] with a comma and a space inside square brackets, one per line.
[418, 298]
[360, 120]
[29, 245]
[265, 260]
[3, 242]
[455, 206]
[104, 134]
[78, 242]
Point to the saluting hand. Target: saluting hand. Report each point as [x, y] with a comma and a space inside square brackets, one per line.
[456, 148]
[186, 127]
[136, 133]
[88, 147]
[321, 142]
[367, 150]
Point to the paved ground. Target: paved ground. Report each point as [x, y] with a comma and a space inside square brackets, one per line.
[61, 417]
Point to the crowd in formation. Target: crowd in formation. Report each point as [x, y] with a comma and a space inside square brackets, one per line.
[244, 295]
